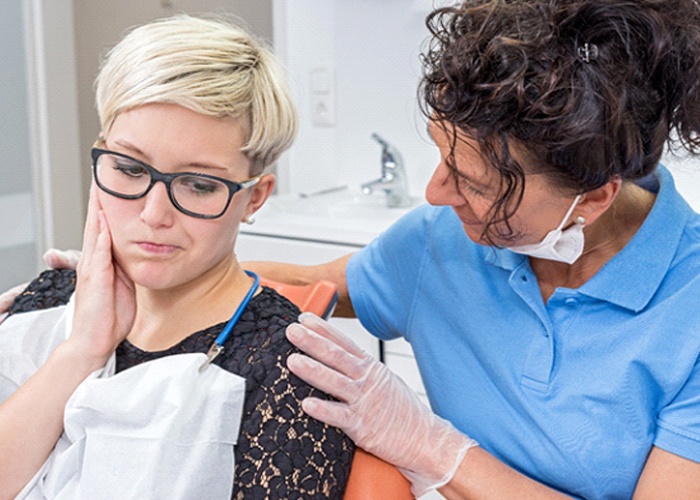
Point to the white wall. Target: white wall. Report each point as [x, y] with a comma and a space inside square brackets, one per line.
[371, 47]
[39, 185]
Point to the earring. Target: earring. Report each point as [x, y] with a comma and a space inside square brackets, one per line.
[580, 220]
[249, 219]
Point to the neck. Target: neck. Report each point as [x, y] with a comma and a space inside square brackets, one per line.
[603, 240]
[166, 317]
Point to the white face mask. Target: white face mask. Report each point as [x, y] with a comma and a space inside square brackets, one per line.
[560, 245]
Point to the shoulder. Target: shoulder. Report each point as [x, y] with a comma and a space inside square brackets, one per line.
[280, 448]
[426, 238]
[677, 221]
[425, 222]
[425, 227]
[51, 288]
[258, 345]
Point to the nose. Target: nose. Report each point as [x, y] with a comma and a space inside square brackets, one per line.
[442, 189]
[158, 210]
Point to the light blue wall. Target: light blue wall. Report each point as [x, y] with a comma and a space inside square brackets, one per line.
[17, 248]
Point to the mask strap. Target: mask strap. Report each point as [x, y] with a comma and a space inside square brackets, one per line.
[569, 212]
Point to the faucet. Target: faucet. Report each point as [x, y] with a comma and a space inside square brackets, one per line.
[393, 180]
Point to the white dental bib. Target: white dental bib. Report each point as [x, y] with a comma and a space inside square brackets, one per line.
[161, 429]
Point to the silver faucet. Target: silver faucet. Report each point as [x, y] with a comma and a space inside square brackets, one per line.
[393, 180]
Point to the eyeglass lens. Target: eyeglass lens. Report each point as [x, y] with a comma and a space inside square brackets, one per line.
[199, 195]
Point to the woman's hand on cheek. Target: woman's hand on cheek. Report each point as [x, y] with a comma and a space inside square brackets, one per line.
[105, 303]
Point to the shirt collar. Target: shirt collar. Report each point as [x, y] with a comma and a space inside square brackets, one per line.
[648, 255]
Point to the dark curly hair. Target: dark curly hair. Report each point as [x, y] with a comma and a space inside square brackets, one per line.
[519, 73]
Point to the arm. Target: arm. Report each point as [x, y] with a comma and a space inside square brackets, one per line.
[31, 420]
[383, 416]
[666, 475]
[295, 274]
[480, 475]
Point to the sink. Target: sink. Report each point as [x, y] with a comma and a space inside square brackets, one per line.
[344, 204]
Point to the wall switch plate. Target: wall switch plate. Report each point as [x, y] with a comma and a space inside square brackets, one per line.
[322, 97]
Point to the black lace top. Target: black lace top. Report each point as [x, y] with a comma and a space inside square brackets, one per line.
[281, 451]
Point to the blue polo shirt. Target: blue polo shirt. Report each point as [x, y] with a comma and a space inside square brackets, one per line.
[574, 392]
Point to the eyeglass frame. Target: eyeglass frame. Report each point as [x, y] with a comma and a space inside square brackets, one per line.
[167, 179]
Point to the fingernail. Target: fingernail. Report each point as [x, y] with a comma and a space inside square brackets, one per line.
[308, 318]
[294, 331]
[296, 362]
[293, 360]
[309, 405]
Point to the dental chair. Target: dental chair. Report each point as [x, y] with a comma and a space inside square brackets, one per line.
[370, 477]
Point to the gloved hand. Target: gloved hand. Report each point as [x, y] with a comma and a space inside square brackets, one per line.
[62, 259]
[376, 409]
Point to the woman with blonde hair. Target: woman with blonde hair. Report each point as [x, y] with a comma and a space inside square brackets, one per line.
[167, 365]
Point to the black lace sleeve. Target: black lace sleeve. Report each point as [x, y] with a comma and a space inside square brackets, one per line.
[50, 289]
[281, 451]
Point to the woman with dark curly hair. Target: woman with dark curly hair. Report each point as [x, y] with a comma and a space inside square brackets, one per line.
[550, 292]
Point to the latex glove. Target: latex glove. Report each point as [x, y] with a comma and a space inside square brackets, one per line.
[376, 409]
[62, 259]
[7, 298]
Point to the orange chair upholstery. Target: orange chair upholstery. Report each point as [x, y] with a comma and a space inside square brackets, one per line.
[319, 298]
[370, 477]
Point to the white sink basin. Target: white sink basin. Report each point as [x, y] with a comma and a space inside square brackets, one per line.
[343, 204]
[346, 216]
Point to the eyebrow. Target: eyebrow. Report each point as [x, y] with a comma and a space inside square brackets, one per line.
[134, 149]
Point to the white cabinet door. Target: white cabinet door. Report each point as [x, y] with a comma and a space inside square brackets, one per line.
[263, 247]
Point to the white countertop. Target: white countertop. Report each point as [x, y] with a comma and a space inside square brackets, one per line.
[346, 217]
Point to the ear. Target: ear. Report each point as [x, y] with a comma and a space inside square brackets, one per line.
[259, 194]
[595, 203]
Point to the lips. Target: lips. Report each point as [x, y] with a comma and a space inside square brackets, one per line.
[156, 248]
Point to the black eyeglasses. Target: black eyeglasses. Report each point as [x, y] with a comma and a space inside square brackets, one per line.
[198, 195]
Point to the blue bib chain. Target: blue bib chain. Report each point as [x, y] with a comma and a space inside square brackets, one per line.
[218, 346]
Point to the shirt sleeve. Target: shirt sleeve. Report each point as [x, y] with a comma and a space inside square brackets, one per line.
[383, 277]
[679, 423]
[52, 288]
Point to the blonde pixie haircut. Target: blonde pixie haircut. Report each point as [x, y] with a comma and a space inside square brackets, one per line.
[209, 66]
